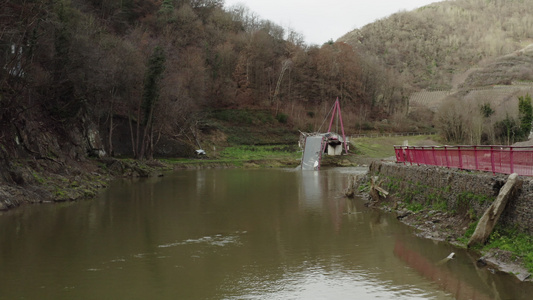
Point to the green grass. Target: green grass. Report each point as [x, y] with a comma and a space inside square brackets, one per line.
[415, 207]
[469, 232]
[238, 155]
[519, 244]
[469, 196]
[243, 116]
[440, 204]
[365, 187]
[40, 179]
[384, 146]
[259, 152]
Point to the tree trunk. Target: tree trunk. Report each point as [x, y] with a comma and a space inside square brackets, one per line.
[137, 154]
[147, 132]
[111, 134]
[132, 137]
[492, 214]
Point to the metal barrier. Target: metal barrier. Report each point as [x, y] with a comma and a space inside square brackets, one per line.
[495, 159]
[376, 135]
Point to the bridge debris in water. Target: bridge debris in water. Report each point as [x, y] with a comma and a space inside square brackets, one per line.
[316, 144]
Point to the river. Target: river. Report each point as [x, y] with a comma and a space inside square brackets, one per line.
[232, 234]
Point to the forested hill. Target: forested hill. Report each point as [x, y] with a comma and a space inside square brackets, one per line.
[431, 45]
[85, 76]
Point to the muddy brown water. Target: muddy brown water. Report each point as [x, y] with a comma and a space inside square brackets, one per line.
[232, 234]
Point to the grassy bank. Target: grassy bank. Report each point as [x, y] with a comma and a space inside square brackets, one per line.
[518, 245]
[382, 147]
[246, 156]
[362, 151]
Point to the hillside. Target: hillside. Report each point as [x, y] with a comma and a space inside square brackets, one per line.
[138, 77]
[515, 68]
[427, 47]
[467, 63]
[127, 76]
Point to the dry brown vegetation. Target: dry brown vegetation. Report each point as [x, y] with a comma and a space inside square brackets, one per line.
[151, 69]
[432, 44]
[141, 71]
[463, 54]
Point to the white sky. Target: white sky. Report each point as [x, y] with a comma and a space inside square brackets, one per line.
[321, 20]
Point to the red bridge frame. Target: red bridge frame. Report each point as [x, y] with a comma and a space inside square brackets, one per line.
[495, 159]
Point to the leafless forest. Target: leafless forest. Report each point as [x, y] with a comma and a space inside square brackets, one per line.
[160, 67]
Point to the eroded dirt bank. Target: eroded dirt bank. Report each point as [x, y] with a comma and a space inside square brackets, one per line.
[43, 181]
[442, 204]
[46, 180]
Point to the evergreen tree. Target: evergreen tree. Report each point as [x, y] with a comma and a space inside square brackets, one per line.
[154, 73]
[525, 110]
[156, 66]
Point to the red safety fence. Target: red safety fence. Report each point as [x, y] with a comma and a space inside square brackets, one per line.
[495, 159]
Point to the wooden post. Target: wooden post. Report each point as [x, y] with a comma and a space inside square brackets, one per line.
[492, 214]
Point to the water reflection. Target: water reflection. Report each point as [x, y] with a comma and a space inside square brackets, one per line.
[311, 196]
[229, 234]
[461, 276]
[446, 280]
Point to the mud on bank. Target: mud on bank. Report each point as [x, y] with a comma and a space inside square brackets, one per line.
[443, 204]
[47, 181]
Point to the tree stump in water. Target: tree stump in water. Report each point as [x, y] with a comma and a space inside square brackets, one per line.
[492, 214]
[377, 192]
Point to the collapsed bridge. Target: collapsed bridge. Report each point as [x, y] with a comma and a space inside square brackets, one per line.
[319, 143]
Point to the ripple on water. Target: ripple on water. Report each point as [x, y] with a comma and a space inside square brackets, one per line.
[312, 281]
[215, 240]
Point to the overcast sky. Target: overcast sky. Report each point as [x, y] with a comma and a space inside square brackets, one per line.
[321, 20]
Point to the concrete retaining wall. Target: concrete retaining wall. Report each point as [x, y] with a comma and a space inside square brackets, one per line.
[455, 190]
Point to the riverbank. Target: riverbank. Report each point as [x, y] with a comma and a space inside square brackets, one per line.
[445, 205]
[48, 181]
[60, 178]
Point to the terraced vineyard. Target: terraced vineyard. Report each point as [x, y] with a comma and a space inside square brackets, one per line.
[429, 99]
[500, 95]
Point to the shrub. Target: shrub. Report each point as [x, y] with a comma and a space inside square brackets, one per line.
[282, 118]
[526, 115]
